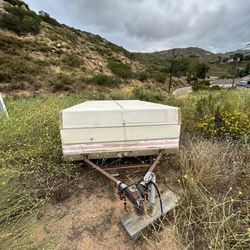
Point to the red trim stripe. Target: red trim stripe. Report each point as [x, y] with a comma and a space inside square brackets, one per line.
[88, 148]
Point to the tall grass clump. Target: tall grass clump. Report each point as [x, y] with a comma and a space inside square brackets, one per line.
[31, 168]
[214, 203]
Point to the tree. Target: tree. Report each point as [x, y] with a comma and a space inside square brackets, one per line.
[247, 69]
[201, 70]
[238, 56]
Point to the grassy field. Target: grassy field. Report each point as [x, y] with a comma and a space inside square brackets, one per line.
[211, 170]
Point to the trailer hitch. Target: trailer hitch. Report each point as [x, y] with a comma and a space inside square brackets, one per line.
[135, 193]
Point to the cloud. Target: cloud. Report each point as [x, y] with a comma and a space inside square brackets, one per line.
[157, 24]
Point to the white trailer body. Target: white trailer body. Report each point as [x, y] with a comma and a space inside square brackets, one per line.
[107, 129]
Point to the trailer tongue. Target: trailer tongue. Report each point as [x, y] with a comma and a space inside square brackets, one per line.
[106, 129]
[137, 194]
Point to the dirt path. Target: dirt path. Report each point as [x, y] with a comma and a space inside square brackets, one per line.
[90, 219]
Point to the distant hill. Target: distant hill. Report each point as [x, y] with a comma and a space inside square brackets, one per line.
[244, 52]
[190, 52]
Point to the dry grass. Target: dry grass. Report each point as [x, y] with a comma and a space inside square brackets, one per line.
[213, 177]
[214, 206]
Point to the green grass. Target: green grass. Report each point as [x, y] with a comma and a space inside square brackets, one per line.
[32, 172]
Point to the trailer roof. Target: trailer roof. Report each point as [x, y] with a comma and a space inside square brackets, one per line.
[117, 105]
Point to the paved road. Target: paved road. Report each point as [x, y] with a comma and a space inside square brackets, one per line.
[223, 83]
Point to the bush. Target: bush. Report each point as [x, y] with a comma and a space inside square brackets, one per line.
[234, 124]
[215, 87]
[71, 60]
[18, 3]
[159, 76]
[120, 69]
[61, 81]
[105, 80]
[149, 95]
[198, 69]
[143, 76]
[200, 85]
[5, 76]
[48, 19]
[20, 21]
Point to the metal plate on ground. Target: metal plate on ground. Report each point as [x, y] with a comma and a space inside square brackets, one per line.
[134, 223]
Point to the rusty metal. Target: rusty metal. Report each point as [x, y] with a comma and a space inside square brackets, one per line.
[127, 167]
[103, 172]
[152, 168]
[136, 193]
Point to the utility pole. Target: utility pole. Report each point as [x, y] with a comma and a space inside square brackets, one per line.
[171, 71]
[235, 70]
[236, 60]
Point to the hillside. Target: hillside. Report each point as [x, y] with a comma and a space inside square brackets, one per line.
[40, 55]
[44, 56]
[57, 58]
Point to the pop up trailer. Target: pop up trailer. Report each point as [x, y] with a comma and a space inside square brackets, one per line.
[116, 129]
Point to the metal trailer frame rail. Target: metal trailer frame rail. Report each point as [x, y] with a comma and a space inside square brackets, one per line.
[137, 220]
[135, 193]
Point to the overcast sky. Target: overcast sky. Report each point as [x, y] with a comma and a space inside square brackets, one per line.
[150, 25]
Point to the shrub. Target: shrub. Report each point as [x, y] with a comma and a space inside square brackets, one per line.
[48, 19]
[120, 69]
[200, 85]
[20, 21]
[215, 87]
[149, 95]
[18, 3]
[159, 76]
[71, 60]
[143, 76]
[61, 81]
[234, 124]
[5, 76]
[105, 80]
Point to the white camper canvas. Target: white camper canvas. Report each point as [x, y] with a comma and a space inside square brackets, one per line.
[103, 129]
